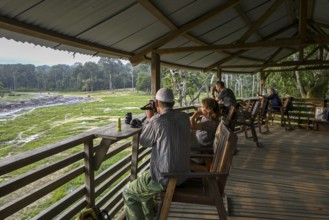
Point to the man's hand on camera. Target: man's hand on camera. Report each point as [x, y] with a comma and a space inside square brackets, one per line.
[149, 113]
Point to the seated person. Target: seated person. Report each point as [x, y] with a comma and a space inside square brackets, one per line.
[274, 100]
[225, 96]
[204, 122]
[168, 133]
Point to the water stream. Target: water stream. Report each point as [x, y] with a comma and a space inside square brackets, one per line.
[11, 109]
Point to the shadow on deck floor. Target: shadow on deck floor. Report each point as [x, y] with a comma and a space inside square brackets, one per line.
[285, 179]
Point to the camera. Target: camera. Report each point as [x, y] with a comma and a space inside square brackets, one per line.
[150, 106]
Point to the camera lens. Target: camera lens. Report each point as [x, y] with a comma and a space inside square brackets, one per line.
[128, 118]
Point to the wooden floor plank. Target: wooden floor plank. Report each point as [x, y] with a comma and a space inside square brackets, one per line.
[285, 179]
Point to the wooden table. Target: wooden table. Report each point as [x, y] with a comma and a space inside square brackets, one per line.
[109, 136]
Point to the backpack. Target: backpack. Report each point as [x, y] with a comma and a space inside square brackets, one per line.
[94, 214]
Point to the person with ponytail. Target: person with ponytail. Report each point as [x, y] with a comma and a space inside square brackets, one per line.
[204, 123]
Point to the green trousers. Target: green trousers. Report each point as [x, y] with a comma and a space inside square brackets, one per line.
[138, 197]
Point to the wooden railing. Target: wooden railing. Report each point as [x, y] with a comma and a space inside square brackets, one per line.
[31, 178]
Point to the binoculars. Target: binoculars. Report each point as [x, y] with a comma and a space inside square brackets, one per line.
[150, 106]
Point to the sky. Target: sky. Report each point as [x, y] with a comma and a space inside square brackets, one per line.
[12, 52]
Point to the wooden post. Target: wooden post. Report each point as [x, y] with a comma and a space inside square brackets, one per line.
[134, 157]
[155, 71]
[89, 173]
[262, 82]
[219, 73]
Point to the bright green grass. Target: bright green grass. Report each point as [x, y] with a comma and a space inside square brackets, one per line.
[48, 125]
[51, 124]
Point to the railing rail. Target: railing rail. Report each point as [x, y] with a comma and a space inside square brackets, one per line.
[37, 175]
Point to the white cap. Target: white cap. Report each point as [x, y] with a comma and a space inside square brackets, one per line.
[164, 95]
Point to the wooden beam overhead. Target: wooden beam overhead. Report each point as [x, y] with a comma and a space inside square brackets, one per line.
[299, 69]
[234, 55]
[287, 42]
[246, 19]
[260, 21]
[290, 11]
[319, 24]
[287, 63]
[302, 19]
[151, 8]
[33, 31]
[269, 60]
[170, 36]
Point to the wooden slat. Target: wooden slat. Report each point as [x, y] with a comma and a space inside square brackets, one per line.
[18, 161]
[25, 179]
[286, 179]
[29, 198]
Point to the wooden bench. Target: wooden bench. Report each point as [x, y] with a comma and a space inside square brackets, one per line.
[204, 187]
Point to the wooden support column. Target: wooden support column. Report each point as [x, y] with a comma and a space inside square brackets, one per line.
[155, 73]
[89, 174]
[134, 157]
[262, 82]
[219, 73]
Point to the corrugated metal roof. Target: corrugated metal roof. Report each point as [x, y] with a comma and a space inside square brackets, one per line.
[210, 34]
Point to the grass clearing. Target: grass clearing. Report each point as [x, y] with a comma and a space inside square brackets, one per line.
[46, 125]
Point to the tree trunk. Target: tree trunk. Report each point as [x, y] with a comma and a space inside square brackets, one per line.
[319, 89]
[299, 83]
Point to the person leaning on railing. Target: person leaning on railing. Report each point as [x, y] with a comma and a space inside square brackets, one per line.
[168, 133]
[224, 96]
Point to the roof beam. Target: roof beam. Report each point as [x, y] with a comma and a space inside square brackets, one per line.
[302, 19]
[290, 11]
[319, 24]
[150, 7]
[269, 60]
[33, 31]
[265, 38]
[299, 69]
[246, 19]
[170, 36]
[284, 42]
[260, 21]
[287, 63]
[287, 42]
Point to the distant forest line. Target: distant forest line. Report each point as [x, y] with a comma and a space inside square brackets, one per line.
[110, 74]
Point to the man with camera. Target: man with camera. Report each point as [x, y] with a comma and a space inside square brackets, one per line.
[168, 133]
[224, 96]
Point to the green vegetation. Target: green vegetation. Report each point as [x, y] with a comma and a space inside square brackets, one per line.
[47, 125]
[51, 124]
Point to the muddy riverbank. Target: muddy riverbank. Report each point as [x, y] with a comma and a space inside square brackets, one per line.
[13, 108]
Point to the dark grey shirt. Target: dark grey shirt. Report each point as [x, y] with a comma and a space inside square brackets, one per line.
[169, 136]
[227, 96]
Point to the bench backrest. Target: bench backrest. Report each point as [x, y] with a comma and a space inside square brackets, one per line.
[255, 108]
[230, 118]
[224, 146]
[263, 106]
